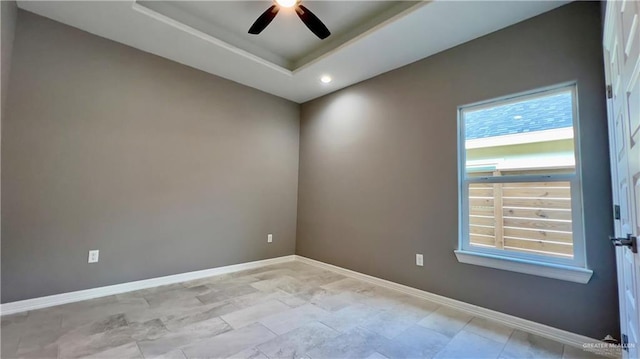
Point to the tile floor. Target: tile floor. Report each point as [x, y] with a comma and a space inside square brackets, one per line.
[290, 310]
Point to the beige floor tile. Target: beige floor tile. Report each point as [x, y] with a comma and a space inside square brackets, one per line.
[319, 278]
[175, 321]
[350, 285]
[227, 293]
[469, 345]
[284, 310]
[291, 319]
[357, 343]
[80, 346]
[526, 345]
[230, 343]
[389, 323]
[184, 336]
[221, 281]
[296, 343]
[251, 353]
[283, 282]
[9, 344]
[258, 297]
[127, 351]
[418, 306]
[489, 329]
[241, 318]
[446, 320]
[77, 316]
[376, 355]
[379, 297]
[174, 354]
[13, 319]
[348, 318]
[328, 299]
[47, 352]
[415, 342]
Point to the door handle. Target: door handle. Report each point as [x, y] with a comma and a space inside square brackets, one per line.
[630, 241]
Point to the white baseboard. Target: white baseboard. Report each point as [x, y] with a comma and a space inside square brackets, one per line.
[70, 297]
[559, 335]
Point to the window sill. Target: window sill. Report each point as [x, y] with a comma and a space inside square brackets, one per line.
[555, 271]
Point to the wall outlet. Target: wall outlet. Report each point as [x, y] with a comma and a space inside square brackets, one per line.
[269, 238]
[419, 260]
[94, 255]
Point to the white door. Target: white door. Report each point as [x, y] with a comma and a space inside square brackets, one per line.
[622, 68]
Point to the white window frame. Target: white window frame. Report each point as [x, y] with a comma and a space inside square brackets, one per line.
[570, 269]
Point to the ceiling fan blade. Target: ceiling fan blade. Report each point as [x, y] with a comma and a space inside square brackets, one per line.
[313, 23]
[264, 20]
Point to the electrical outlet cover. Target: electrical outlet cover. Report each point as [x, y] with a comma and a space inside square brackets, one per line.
[94, 256]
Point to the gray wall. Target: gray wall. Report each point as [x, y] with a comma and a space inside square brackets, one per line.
[8, 15]
[378, 170]
[163, 168]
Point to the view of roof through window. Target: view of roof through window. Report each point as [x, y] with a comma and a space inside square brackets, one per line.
[536, 114]
[530, 133]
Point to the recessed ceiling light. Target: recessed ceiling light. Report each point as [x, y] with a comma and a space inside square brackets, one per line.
[325, 79]
[286, 3]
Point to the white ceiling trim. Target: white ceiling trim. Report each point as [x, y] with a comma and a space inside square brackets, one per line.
[363, 35]
[206, 37]
[421, 31]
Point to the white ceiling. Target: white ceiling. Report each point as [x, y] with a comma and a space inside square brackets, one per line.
[286, 41]
[368, 37]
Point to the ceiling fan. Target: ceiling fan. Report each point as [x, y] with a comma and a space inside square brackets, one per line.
[308, 18]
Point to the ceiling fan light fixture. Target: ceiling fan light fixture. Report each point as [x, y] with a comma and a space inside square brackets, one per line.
[286, 3]
[310, 20]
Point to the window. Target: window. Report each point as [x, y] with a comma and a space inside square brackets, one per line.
[520, 195]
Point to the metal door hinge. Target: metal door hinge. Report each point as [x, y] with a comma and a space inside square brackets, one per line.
[630, 241]
[609, 91]
[616, 212]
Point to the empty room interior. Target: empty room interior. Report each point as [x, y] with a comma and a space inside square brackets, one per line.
[320, 179]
